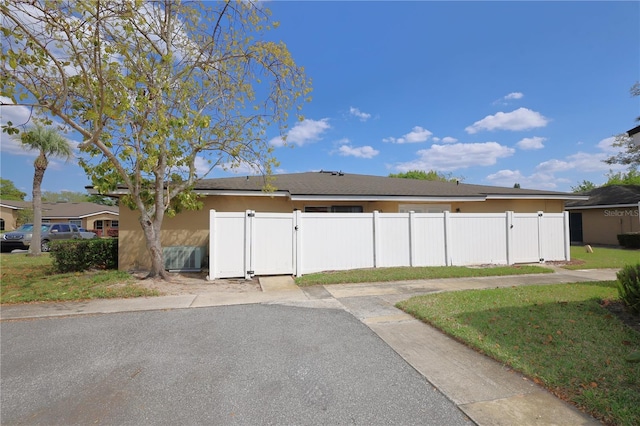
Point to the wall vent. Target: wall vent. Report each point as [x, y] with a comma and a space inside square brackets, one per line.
[183, 258]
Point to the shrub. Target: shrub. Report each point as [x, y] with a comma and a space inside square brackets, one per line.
[81, 255]
[629, 287]
[629, 240]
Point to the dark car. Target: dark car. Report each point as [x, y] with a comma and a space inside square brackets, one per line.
[21, 237]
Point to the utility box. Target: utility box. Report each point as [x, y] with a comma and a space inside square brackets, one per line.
[183, 258]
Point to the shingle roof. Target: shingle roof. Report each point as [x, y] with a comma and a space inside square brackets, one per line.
[76, 210]
[609, 196]
[65, 210]
[344, 184]
[16, 204]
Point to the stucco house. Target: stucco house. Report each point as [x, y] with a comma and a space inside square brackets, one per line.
[9, 213]
[328, 192]
[609, 211]
[92, 216]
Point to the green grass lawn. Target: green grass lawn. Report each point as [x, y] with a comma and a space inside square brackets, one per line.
[602, 257]
[416, 273]
[559, 335]
[31, 279]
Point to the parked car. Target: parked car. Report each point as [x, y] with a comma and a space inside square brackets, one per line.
[21, 237]
[87, 235]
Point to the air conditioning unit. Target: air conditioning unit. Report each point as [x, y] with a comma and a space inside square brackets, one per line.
[183, 258]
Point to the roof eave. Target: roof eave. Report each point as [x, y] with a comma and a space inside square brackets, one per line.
[537, 197]
[236, 193]
[602, 206]
[399, 198]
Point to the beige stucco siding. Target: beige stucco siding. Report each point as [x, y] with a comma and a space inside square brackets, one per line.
[9, 216]
[602, 226]
[191, 228]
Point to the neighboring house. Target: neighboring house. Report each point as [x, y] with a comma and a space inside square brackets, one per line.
[327, 192]
[96, 217]
[9, 213]
[609, 211]
[634, 134]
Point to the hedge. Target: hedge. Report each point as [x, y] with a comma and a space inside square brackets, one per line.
[81, 255]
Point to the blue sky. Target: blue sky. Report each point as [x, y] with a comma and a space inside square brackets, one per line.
[492, 92]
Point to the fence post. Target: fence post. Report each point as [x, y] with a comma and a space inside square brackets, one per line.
[248, 240]
[567, 236]
[509, 222]
[412, 238]
[540, 225]
[297, 243]
[377, 250]
[212, 245]
[447, 238]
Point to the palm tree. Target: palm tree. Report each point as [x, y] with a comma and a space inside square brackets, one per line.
[49, 143]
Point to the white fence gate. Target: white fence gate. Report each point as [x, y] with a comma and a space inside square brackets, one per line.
[248, 243]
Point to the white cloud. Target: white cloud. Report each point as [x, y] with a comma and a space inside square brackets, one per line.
[513, 95]
[449, 139]
[241, 168]
[508, 178]
[363, 116]
[303, 132]
[545, 173]
[458, 156]
[531, 143]
[584, 162]
[17, 114]
[416, 135]
[520, 119]
[553, 166]
[359, 152]
[607, 145]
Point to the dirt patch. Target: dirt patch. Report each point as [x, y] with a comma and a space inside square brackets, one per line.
[564, 263]
[196, 283]
[620, 310]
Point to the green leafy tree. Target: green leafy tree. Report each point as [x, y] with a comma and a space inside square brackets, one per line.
[76, 197]
[584, 186]
[24, 216]
[48, 143]
[64, 197]
[430, 175]
[100, 199]
[154, 89]
[632, 177]
[516, 185]
[8, 191]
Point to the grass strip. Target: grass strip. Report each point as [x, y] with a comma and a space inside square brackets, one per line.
[559, 335]
[413, 273]
[602, 257]
[26, 279]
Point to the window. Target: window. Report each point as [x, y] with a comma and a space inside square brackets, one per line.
[62, 227]
[333, 209]
[97, 224]
[1, 224]
[114, 223]
[424, 208]
[76, 222]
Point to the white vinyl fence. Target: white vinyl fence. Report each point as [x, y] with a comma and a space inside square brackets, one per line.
[250, 243]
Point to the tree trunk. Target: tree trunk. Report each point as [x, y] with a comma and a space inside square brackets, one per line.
[40, 165]
[154, 246]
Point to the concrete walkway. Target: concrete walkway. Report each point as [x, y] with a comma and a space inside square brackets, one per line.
[488, 392]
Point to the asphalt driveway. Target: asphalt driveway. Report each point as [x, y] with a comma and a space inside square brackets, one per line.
[248, 364]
